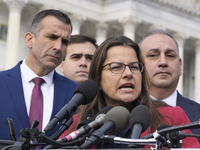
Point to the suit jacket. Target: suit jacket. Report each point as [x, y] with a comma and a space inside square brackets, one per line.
[192, 109]
[12, 102]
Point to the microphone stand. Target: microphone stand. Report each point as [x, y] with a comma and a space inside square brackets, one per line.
[26, 135]
[32, 138]
[168, 141]
[158, 142]
[26, 139]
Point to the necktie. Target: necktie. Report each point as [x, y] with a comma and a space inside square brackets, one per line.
[36, 107]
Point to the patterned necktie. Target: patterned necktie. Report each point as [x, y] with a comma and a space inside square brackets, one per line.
[36, 107]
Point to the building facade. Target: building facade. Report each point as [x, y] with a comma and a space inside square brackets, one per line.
[105, 18]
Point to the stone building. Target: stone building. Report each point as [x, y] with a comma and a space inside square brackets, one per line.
[106, 18]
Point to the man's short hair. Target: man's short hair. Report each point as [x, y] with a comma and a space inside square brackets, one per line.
[35, 26]
[80, 38]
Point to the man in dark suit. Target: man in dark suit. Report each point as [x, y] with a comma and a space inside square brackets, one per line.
[47, 42]
[163, 65]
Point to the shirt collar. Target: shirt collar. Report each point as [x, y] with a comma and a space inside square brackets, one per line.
[29, 75]
[170, 100]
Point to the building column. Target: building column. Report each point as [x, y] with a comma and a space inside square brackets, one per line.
[197, 73]
[101, 32]
[180, 38]
[129, 26]
[15, 8]
[77, 21]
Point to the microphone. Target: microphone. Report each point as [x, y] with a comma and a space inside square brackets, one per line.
[193, 125]
[11, 129]
[162, 130]
[97, 120]
[173, 134]
[116, 118]
[102, 111]
[172, 139]
[83, 94]
[139, 120]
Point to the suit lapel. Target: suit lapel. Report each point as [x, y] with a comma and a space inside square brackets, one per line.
[186, 105]
[59, 98]
[63, 92]
[59, 94]
[14, 83]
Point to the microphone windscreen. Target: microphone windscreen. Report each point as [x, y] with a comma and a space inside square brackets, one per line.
[119, 115]
[103, 111]
[142, 115]
[89, 89]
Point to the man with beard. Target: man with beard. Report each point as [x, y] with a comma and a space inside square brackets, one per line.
[160, 54]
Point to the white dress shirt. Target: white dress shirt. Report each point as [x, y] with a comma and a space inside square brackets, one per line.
[47, 90]
[170, 100]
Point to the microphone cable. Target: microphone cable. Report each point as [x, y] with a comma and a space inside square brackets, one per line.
[58, 144]
[65, 125]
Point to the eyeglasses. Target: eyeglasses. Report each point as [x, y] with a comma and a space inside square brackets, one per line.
[118, 67]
